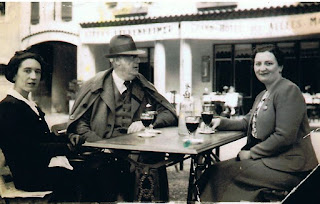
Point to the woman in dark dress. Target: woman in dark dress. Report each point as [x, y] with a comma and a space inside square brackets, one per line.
[26, 141]
[276, 156]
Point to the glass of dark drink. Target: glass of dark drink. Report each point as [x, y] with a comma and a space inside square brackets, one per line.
[207, 115]
[192, 123]
[154, 113]
[146, 119]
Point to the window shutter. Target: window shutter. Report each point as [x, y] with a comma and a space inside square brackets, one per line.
[2, 8]
[66, 11]
[35, 17]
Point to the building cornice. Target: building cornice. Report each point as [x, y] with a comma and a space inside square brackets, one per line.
[49, 31]
[221, 14]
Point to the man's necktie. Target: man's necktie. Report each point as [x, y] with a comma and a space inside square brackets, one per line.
[126, 92]
[126, 83]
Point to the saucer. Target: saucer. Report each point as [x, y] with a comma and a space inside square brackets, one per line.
[207, 131]
[153, 131]
[146, 134]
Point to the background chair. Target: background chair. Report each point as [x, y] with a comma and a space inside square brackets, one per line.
[308, 188]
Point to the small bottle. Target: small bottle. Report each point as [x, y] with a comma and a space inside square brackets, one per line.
[186, 109]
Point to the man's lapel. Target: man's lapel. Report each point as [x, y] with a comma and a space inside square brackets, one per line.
[107, 94]
[136, 99]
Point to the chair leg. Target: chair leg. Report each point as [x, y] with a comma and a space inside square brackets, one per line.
[181, 166]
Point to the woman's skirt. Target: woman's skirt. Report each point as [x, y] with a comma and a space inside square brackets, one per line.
[234, 181]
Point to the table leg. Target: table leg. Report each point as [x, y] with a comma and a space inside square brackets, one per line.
[191, 186]
[218, 152]
[149, 179]
[199, 164]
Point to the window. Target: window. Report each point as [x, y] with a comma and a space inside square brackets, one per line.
[309, 66]
[66, 11]
[223, 67]
[243, 69]
[2, 8]
[146, 64]
[35, 17]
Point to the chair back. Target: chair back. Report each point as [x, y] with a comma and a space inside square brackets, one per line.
[315, 140]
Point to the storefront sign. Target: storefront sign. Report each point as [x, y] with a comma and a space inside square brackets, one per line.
[238, 29]
[144, 32]
[252, 28]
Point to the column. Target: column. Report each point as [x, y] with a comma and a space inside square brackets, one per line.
[160, 67]
[85, 63]
[185, 66]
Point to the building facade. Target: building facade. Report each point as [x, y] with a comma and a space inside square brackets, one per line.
[48, 28]
[206, 45]
[212, 47]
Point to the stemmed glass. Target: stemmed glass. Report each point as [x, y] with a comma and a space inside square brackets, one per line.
[207, 115]
[154, 113]
[146, 119]
[192, 123]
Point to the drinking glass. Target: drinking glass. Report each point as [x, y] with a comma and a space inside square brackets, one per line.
[192, 123]
[207, 115]
[146, 119]
[154, 113]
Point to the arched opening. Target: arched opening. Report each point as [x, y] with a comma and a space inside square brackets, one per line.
[61, 68]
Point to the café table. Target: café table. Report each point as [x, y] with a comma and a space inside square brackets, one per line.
[169, 142]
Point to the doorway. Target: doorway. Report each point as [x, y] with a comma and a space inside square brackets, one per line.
[60, 69]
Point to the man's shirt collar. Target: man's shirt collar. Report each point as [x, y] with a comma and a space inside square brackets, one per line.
[118, 82]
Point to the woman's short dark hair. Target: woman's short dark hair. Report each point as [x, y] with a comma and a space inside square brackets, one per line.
[14, 63]
[273, 49]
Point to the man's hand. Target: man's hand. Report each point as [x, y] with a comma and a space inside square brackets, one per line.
[76, 139]
[244, 154]
[135, 127]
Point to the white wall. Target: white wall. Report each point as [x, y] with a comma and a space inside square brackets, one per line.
[200, 48]
[10, 31]
[99, 52]
[172, 48]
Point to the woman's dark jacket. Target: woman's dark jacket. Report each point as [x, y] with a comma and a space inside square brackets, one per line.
[27, 144]
[282, 123]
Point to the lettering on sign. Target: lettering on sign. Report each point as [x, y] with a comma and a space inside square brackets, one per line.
[265, 27]
[138, 32]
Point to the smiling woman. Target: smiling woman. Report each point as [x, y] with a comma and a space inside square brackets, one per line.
[268, 65]
[276, 156]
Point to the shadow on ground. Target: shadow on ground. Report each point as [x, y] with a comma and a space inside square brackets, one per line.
[178, 181]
